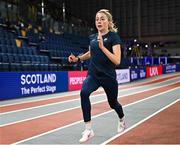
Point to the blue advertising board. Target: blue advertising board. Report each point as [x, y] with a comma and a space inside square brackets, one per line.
[169, 68]
[142, 73]
[178, 67]
[134, 74]
[137, 73]
[23, 84]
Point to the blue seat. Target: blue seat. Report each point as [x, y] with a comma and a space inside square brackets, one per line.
[14, 50]
[1, 57]
[4, 67]
[10, 58]
[53, 67]
[24, 51]
[15, 67]
[4, 49]
[35, 67]
[38, 59]
[43, 67]
[16, 58]
[5, 58]
[19, 51]
[33, 59]
[22, 58]
[9, 49]
[34, 52]
[29, 51]
[45, 59]
[26, 67]
[28, 58]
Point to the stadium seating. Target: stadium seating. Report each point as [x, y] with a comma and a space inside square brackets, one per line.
[37, 54]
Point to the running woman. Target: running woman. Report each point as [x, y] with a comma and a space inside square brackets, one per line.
[104, 54]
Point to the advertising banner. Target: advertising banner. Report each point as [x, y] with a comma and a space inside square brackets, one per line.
[142, 73]
[169, 68]
[123, 75]
[154, 71]
[75, 79]
[18, 84]
[134, 74]
[177, 67]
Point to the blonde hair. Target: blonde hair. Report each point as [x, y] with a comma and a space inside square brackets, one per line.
[111, 26]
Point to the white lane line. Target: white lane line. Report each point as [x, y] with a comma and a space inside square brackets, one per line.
[53, 113]
[95, 116]
[42, 99]
[66, 94]
[138, 123]
[101, 94]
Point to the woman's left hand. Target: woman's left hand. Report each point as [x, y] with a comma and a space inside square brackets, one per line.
[100, 40]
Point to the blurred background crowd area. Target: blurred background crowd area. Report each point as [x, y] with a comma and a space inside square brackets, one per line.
[39, 35]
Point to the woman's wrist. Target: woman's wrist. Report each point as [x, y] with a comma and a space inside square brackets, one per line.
[78, 59]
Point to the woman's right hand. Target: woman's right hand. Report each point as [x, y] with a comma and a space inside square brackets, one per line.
[72, 58]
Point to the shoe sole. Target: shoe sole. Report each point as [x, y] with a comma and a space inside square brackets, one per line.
[122, 130]
[87, 139]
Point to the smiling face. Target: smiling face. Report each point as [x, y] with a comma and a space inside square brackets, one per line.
[101, 22]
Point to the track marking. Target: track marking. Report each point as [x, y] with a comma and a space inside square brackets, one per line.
[101, 94]
[57, 129]
[53, 113]
[140, 122]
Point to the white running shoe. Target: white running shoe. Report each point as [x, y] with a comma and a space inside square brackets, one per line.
[86, 135]
[121, 126]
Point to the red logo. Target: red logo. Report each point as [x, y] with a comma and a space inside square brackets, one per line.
[154, 71]
[75, 79]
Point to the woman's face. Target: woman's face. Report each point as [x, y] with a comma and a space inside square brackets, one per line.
[101, 22]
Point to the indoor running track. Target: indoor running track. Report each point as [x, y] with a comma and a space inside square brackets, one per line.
[151, 106]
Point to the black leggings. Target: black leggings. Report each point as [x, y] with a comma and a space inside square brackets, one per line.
[91, 84]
